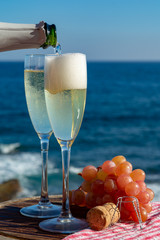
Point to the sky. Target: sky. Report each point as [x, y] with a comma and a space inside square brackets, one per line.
[105, 30]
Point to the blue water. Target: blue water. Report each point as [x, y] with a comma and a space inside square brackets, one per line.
[122, 116]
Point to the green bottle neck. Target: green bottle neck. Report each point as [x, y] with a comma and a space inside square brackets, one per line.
[51, 36]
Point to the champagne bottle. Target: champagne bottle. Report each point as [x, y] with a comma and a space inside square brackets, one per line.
[22, 36]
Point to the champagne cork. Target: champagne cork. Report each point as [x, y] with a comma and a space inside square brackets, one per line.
[98, 218]
[113, 211]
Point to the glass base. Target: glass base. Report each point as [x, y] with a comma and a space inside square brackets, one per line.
[60, 225]
[41, 211]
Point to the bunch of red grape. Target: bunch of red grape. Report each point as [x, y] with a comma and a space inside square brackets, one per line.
[113, 179]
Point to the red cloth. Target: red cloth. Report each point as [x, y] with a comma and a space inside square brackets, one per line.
[125, 231]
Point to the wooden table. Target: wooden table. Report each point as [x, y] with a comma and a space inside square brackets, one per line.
[15, 226]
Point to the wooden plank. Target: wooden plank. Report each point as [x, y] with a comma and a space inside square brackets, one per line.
[6, 238]
[15, 226]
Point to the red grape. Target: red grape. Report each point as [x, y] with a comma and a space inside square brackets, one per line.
[107, 198]
[151, 193]
[143, 197]
[147, 206]
[118, 159]
[112, 176]
[123, 168]
[78, 197]
[109, 167]
[89, 173]
[110, 185]
[97, 187]
[130, 165]
[118, 194]
[112, 180]
[90, 200]
[130, 203]
[86, 186]
[138, 175]
[142, 185]
[99, 201]
[143, 213]
[132, 189]
[124, 213]
[70, 197]
[123, 180]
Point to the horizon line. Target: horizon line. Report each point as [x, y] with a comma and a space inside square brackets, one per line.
[91, 60]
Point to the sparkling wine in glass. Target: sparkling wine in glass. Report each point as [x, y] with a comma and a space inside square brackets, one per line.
[34, 90]
[65, 93]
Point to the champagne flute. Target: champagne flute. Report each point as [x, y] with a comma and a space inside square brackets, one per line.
[65, 93]
[34, 90]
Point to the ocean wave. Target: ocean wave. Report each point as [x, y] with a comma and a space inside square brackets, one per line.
[75, 170]
[9, 148]
[27, 168]
[22, 165]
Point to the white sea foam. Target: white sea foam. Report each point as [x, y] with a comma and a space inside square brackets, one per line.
[65, 72]
[24, 166]
[8, 148]
[75, 170]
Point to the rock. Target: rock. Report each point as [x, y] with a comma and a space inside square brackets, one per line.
[9, 189]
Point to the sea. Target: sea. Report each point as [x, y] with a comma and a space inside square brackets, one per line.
[122, 117]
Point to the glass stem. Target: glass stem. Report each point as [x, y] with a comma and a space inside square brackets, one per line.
[44, 140]
[65, 150]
